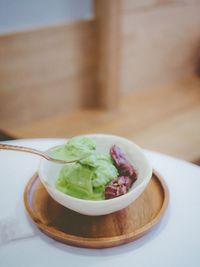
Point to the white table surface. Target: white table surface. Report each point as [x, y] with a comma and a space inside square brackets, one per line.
[175, 241]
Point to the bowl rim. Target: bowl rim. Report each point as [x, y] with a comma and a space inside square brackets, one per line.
[88, 201]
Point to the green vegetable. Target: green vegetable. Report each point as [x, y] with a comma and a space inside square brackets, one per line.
[87, 178]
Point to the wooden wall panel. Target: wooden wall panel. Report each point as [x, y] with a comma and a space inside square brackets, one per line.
[130, 5]
[108, 30]
[143, 5]
[129, 45]
[160, 45]
[46, 71]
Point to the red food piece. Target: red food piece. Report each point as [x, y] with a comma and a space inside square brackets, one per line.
[123, 166]
[118, 186]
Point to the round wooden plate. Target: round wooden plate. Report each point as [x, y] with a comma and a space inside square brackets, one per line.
[105, 231]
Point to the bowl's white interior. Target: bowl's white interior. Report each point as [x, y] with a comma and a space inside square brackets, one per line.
[49, 171]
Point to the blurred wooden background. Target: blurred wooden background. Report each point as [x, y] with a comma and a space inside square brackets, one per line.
[131, 70]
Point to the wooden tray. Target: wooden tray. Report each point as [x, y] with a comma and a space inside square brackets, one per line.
[110, 230]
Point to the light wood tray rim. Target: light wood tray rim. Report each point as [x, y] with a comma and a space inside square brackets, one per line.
[96, 242]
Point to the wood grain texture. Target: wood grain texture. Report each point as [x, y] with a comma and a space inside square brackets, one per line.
[147, 117]
[57, 68]
[159, 46]
[108, 30]
[110, 230]
[47, 75]
[52, 68]
[184, 127]
[130, 6]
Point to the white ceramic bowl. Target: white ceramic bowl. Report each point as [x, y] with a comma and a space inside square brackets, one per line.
[48, 173]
